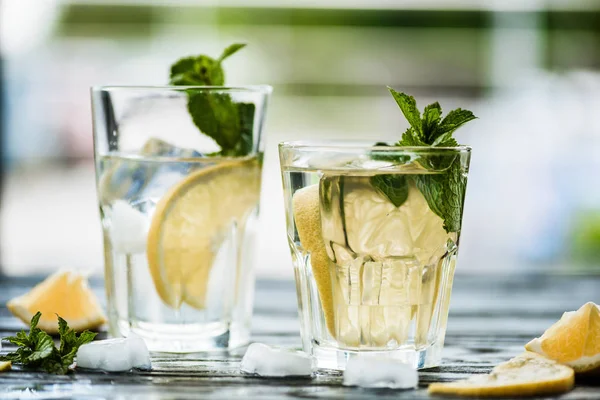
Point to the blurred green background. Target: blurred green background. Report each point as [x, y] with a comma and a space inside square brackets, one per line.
[529, 70]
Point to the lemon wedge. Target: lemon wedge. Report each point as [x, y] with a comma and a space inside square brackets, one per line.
[191, 221]
[574, 340]
[65, 293]
[528, 374]
[307, 215]
[5, 366]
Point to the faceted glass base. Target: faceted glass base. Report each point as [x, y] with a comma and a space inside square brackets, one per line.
[329, 358]
[169, 338]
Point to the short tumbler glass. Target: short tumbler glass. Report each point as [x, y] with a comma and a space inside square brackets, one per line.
[374, 233]
[178, 173]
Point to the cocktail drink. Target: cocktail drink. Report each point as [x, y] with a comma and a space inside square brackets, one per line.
[374, 233]
[178, 223]
[178, 174]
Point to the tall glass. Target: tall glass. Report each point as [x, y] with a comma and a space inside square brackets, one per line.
[178, 175]
[374, 233]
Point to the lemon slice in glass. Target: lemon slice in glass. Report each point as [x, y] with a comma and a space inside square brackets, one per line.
[190, 223]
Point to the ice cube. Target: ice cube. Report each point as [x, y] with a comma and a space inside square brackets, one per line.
[264, 360]
[129, 228]
[139, 179]
[167, 174]
[379, 372]
[121, 354]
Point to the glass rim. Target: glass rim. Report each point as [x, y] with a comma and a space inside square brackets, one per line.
[343, 145]
[265, 89]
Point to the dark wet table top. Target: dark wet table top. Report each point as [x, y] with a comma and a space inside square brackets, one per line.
[491, 318]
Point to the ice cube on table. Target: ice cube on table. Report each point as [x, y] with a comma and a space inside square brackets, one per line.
[264, 360]
[379, 372]
[129, 228]
[120, 354]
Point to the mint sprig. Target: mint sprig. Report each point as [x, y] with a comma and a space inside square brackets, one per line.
[228, 123]
[444, 192]
[430, 130]
[36, 349]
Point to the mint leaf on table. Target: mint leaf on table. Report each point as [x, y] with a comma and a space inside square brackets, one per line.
[36, 349]
[445, 191]
[228, 123]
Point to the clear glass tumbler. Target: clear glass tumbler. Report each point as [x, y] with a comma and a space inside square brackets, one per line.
[374, 233]
[178, 173]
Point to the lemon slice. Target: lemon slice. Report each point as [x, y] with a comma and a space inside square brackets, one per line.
[307, 215]
[528, 374]
[5, 366]
[65, 293]
[191, 221]
[574, 340]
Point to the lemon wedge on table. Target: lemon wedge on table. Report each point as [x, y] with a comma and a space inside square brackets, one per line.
[574, 340]
[189, 224]
[65, 293]
[528, 374]
[5, 366]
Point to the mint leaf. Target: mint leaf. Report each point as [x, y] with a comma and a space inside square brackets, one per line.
[394, 187]
[183, 66]
[410, 139]
[445, 194]
[216, 115]
[42, 347]
[431, 119]
[230, 50]
[12, 357]
[408, 105]
[245, 143]
[85, 337]
[444, 189]
[201, 71]
[454, 120]
[230, 124]
[35, 320]
[37, 350]
[450, 142]
[70, 342]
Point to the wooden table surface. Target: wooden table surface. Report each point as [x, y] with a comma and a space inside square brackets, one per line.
[491, 318]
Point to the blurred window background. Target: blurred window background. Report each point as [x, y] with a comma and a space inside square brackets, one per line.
[528, 69]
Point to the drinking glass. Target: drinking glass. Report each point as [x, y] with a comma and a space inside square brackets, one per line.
[178, 173]
[374, 235]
